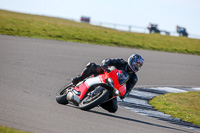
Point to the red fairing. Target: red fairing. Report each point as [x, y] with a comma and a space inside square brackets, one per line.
[83, 89]
[113, 74]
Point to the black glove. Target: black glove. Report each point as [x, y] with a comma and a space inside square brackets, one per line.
[105, 67]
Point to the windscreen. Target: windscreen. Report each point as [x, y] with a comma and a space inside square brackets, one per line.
[122, 77]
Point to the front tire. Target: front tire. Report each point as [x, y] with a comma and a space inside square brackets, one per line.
[61, 94]
[90, 102]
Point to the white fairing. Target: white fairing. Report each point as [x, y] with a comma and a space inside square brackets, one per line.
[91, 81]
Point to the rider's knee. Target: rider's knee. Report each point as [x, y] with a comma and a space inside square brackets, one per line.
[91, 65]
[113, 109]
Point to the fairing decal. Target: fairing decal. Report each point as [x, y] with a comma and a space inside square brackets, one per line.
[91, 81]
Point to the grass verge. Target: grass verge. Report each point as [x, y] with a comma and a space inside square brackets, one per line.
[26, 25]
[4, 129]
[185, 106]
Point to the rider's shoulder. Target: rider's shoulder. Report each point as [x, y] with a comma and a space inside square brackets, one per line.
[121, 60]
[114, 60]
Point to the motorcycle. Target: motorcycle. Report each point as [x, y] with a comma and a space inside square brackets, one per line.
[94, 91]
[153, 28]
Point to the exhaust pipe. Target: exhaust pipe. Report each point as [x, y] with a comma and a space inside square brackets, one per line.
[73, 97]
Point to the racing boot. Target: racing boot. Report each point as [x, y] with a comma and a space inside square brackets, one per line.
[77, 79]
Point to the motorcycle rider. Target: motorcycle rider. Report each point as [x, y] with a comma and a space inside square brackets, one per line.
[181, 31]
[133, 65]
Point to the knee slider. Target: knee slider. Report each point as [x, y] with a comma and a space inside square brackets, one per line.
[91, 66]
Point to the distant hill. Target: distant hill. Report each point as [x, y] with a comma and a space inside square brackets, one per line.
[26, 25]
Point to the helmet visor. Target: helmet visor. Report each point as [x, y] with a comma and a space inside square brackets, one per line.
[137, 66]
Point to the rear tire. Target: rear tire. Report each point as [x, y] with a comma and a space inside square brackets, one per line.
[61, 94]
[96, 101]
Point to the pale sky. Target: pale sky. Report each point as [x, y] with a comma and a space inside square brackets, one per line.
[166, 13]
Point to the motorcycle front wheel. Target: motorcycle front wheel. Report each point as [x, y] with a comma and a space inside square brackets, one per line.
[94, 98]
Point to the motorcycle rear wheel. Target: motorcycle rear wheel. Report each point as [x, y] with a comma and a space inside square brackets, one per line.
[61, 94]
[90, 102]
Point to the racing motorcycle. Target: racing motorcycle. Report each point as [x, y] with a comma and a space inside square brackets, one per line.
[94, 91]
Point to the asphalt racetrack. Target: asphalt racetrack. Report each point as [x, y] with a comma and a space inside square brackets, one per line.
[32, 71]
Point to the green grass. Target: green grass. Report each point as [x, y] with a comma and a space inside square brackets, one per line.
[18, 24]
[4, 129]
[185, 106]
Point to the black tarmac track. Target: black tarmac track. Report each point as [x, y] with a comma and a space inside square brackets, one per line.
[32, 70]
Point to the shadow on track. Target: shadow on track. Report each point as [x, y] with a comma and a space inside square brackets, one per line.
[133, 120]
[129, 119]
